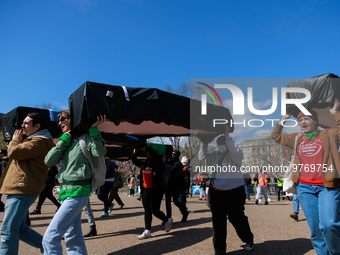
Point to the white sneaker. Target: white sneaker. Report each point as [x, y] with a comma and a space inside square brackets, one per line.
[168, 225]
[146, 234]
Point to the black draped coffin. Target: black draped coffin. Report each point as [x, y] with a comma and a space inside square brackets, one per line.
[119, 146]
[14, 118]
[141, 112]
[324, 89]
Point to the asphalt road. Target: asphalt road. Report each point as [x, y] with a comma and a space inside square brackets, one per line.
[274, 231]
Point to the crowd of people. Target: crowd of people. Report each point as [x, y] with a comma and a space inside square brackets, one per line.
[28, 172]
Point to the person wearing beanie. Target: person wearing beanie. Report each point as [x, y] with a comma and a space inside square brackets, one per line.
[174, 186]
[316, 172]
[185, 178]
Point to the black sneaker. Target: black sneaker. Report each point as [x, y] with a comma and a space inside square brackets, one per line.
[185, 216]
[295, 216]
[36, 211]
[256, 201]
[249, 246]
[266, 203]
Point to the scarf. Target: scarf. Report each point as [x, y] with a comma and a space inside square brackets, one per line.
[311, 136]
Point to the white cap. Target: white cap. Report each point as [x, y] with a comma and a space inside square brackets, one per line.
[184, 159]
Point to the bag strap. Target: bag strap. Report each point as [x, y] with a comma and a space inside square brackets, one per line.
[83, 146]
[296, 138]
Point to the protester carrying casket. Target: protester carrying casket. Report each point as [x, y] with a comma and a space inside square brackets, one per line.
[316, 172]
[152, 189]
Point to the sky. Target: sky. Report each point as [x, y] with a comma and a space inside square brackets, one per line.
[49, 48]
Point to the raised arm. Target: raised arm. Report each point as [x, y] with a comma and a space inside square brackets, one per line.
[283, 139]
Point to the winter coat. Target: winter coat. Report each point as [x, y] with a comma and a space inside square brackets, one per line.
[157, 166]
[26, 171]
[75, 170]
[331, 141]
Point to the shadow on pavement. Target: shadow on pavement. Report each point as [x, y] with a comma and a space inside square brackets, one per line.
[174, 242]
[296, 246]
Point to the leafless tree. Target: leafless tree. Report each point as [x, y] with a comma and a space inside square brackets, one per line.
[126, 168]
[47, 105]
[271, 153]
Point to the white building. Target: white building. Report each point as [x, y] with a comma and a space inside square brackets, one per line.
[262, 150]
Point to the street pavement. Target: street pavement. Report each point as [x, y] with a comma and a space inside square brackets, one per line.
[274, 231]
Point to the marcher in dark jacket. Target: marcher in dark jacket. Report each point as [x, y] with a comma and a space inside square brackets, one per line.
[47, 191]
[185, 190]
[175, 185]
[247, 184]
[104, 190]
[3, 164]
[152, 189]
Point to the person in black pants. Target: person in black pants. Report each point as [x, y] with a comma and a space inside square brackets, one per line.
[152, 189]
[185, 177]
[226, 192]
[47, 191]
[104, 190]
[175, 186]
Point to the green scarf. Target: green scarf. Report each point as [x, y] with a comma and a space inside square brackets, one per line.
[311, 136]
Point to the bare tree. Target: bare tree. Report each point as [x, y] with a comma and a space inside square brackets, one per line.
[126, 168]
[270, 153]
[47, 105]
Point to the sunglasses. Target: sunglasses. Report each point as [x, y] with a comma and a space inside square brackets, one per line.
[62, 118]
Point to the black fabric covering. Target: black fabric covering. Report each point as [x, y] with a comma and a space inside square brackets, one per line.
[142, 107]
[1, 115]
[124, 141]
[324, 89]
[14, 118]
[125, 153]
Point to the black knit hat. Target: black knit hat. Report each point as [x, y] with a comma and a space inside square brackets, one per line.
[177, 152]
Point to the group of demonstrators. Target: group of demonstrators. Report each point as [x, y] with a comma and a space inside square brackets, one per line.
[31, 152]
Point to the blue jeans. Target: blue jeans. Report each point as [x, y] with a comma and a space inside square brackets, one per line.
[296, 204]
[89, 214]
[202, 193]
[262, 189]
[103, 195]
[67, 221]
[246, 188]
[14, 225]
[321, 207]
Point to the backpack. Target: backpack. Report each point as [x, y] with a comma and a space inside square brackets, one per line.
[121, 179]
[99, 172]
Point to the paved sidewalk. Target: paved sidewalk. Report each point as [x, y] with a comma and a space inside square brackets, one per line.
[275, 232]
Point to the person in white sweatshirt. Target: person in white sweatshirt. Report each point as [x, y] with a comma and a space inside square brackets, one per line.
[226, 191]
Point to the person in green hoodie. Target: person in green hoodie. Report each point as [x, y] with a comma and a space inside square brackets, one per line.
[75, 177]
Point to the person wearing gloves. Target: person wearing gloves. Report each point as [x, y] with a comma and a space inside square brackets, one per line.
[75, 177]
[226, 192]
[316, 172]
